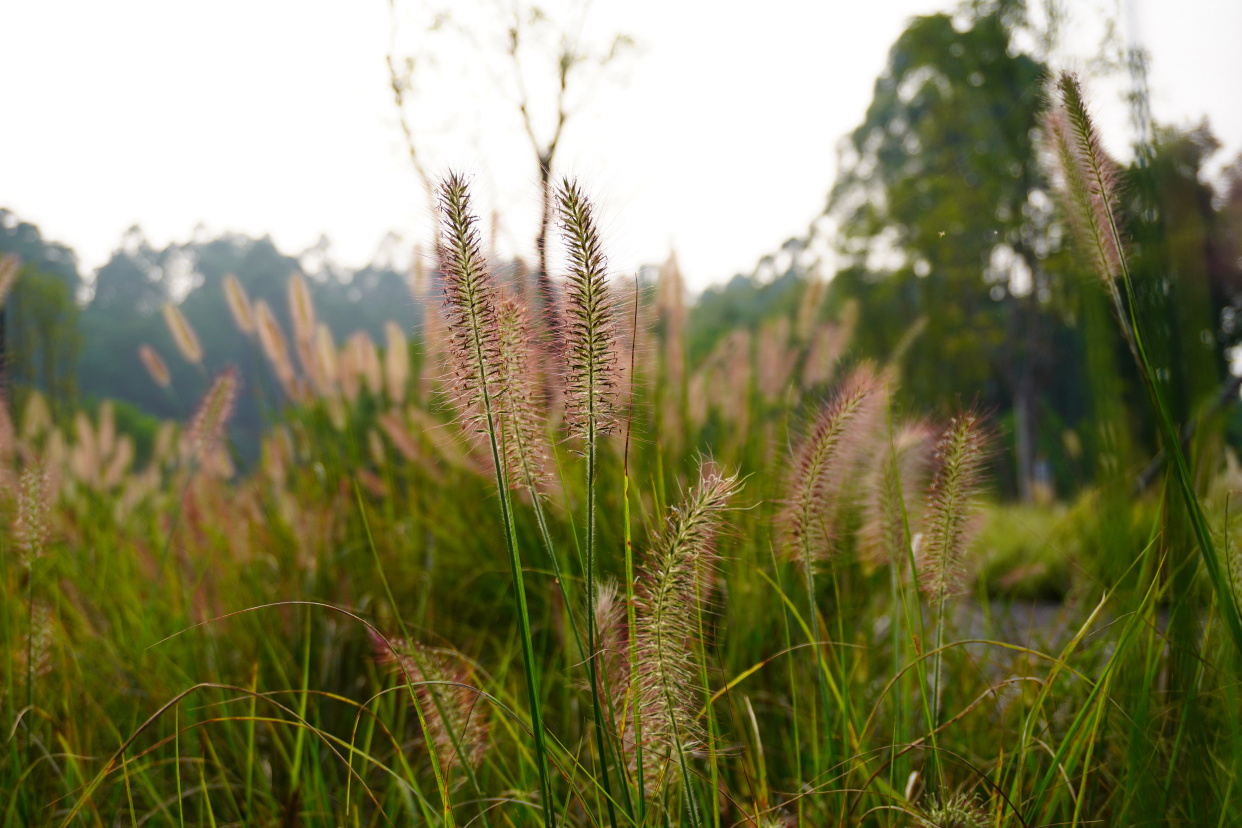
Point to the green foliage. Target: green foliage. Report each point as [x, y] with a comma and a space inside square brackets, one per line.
[133, 286]
[43, 342]
[939, 179]
[184, 645]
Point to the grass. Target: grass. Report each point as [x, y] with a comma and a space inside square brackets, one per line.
[502, 585]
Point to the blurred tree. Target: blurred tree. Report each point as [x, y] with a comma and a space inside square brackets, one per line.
[44, 340]
[138, 279]
[23, 239]
[1187, 268]
[39, 319]
[943, 212]
[132, 282]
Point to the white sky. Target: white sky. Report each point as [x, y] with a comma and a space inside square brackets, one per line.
[275, 116]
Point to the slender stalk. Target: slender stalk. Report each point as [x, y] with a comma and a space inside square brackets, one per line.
[438, 772]
[470, 302]
[793, 685]
[629, 576]
[821, 665]
[587, 339]
[519, 589]
[1091, 188]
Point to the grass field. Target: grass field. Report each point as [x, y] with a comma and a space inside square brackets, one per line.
[514, 573]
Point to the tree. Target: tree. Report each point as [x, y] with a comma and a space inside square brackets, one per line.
[132, 280]
[44, 339]
[38, 320]
[541, 59]
[944, 213]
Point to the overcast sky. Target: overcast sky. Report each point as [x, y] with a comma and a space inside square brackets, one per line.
[715, 137]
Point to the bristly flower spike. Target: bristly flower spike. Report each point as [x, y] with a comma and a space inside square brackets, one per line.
[457, 727]
[588, 320]
[950, 518]
[520, 420]
[155, 365]
[275, 347]
[893, 484]
[470, 309]
[1089, 186]
[8, 276]
[667, 626]
[183, 335]
[821, 464]
[207, 426]
[239, 304]
[587, 339]
[34, 501]
[396, 363]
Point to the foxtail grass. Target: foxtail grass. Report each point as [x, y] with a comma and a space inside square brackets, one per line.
[155, 365]
[396, 363]
[183, 335]
[1089, 189]
[470, 308]
[239, 304]
[821, 465]
[9, 266]
[456, 724]
[275, 347]
[589, 342]
[949, 522]
[669, 632]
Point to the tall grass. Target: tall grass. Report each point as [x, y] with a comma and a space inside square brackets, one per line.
[492, 575]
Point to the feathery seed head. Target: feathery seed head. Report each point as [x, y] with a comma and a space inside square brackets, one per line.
[239, 304]
[8, 276]
[394, 425]
[366, 357]
[470, 309]
[301, 308]
[183, 335]
[396, 363]
[520, 415]
[840, 432]
[588, 320]
[959, 810]
[207, 425]
[449, 704]
[8, 447]
[118, 466]
[612, 657]
[85, 457]
[31, 528]
[37, 417]
[39, 641]
[155, 365]
[349, 371]
[326, 368]
[275, 347]
[1089, 177]
[950, 517]
[899, 472]
[672, 585]
[107, 429]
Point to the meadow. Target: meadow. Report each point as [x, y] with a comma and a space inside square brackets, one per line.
[523, 566]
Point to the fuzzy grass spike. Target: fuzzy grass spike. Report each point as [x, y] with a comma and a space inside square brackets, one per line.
[670, 588]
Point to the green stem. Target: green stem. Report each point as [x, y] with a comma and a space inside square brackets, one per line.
[820, 664]
[515, 565]
[632, 623]
[592, 633]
